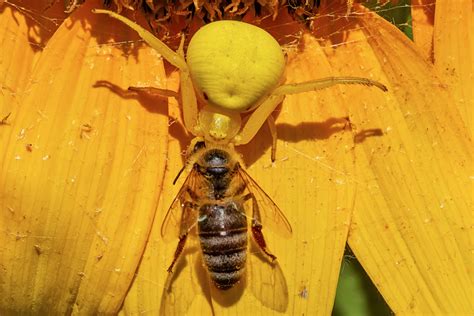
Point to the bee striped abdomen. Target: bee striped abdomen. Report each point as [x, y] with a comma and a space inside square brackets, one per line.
[223, 235]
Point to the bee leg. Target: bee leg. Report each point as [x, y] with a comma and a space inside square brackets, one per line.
[186, 226]
[258, 236]
[179, 250]
[257, 227]
[273, 132]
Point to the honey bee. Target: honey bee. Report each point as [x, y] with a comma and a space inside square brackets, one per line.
[214, 199]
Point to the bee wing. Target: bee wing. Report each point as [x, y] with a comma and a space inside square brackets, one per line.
[178, 294]
[267, 281]
[271, 215]
[176, 220]
[185, 283]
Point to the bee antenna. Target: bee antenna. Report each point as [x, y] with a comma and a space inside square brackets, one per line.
[177, 176]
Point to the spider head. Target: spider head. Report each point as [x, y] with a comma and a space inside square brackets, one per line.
[218, 125]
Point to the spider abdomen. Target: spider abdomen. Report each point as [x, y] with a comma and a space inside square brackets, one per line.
[234, 64]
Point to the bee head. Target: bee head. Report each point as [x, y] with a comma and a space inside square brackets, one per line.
[215, 163]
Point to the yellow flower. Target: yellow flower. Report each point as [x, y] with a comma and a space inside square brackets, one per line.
[86, 167]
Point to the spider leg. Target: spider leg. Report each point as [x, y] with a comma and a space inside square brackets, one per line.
[257, 118]
[262, 112]
[273, 132]
[293, 88]
[154, 92]
[172, 57]
[188, 97]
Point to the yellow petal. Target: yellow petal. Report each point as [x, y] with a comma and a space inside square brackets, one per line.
[78, 203]
[23, 34]
[422, 13]
[311, 181]
[453, 44]
[412, 218]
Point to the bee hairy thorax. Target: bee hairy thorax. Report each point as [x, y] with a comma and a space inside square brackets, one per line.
[222, 222]
[218, 168]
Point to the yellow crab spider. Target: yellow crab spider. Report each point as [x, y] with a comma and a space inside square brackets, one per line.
[232, 67]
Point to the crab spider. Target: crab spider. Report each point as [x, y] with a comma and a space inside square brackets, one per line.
[232, 68]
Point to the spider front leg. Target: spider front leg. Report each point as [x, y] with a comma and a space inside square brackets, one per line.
[154, 92]
[313, 85]
[188, 97]
[257, 118]
[263, 112]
